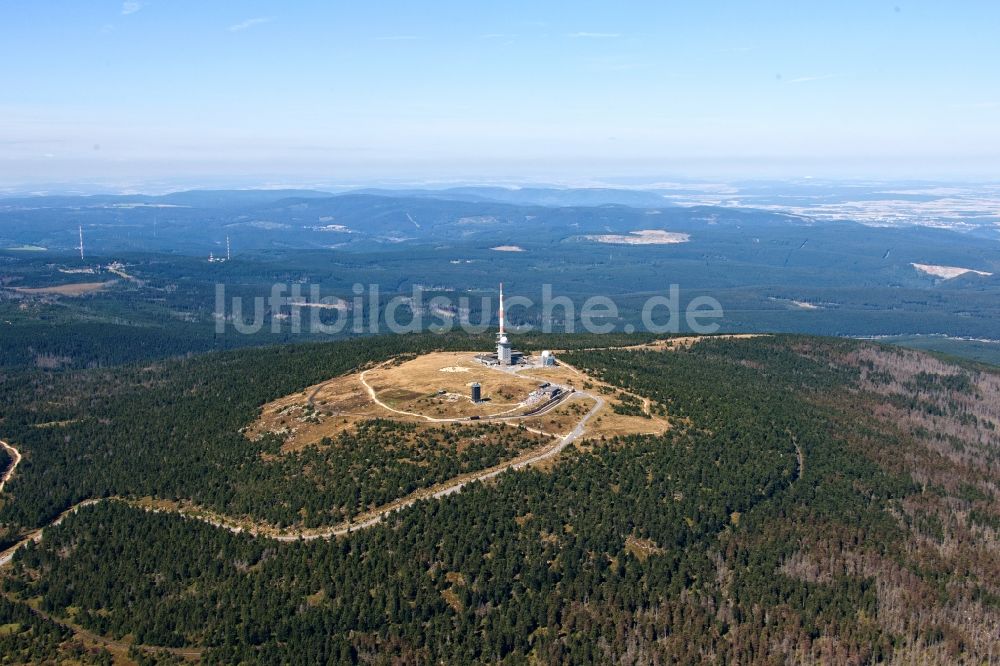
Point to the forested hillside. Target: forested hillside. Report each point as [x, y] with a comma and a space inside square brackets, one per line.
[815, 499]
[173, 430]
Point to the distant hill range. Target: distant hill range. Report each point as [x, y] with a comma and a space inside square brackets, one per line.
[195, 222]
[709, 246]
[772, 270]
[535, 196]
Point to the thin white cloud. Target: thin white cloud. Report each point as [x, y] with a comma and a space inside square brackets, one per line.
[249, 23]
[810, 79]
[130, 7]
[595, 35]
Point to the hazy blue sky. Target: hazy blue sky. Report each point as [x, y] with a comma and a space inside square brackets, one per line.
[555, 91]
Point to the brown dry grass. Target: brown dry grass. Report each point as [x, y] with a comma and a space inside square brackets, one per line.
[563, 418]
[671, 344]
[606, 423]
[416, 386]
[322, 410]
[76, 289]
[688, 341]
[413, 385]
[560, 374]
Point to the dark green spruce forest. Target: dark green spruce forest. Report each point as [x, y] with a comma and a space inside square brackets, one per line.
[815, 500]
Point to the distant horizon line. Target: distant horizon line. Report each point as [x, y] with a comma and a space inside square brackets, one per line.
[161, 187]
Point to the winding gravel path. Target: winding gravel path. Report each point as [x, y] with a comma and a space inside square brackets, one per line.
[367, 519]
[16, 455]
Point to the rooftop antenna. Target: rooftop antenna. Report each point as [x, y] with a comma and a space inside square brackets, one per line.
[503, 344]
[81, 242]
[229, 254]
[501, 309]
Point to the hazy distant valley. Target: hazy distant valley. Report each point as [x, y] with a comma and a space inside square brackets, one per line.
[146, 267]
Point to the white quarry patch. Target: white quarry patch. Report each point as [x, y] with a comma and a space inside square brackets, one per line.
[805, 306]
[508, 248]
[947, 272]
[642, 237]
[801, 305]
[335, 304]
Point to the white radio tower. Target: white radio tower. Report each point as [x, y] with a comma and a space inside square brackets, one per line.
[81, 242]
[229, 254]
[501, 310]
[504, 352]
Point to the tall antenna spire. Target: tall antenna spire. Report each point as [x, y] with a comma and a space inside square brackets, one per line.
[504, 353]
[501, 308]
[81, 242]
[229, 254]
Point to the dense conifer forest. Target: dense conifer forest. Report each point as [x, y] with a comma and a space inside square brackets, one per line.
[815, 499]
[172, 429]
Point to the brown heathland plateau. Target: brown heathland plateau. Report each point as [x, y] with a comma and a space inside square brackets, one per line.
[435, 388]
[76, 289]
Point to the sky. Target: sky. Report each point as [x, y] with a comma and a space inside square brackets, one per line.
[310, 93]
